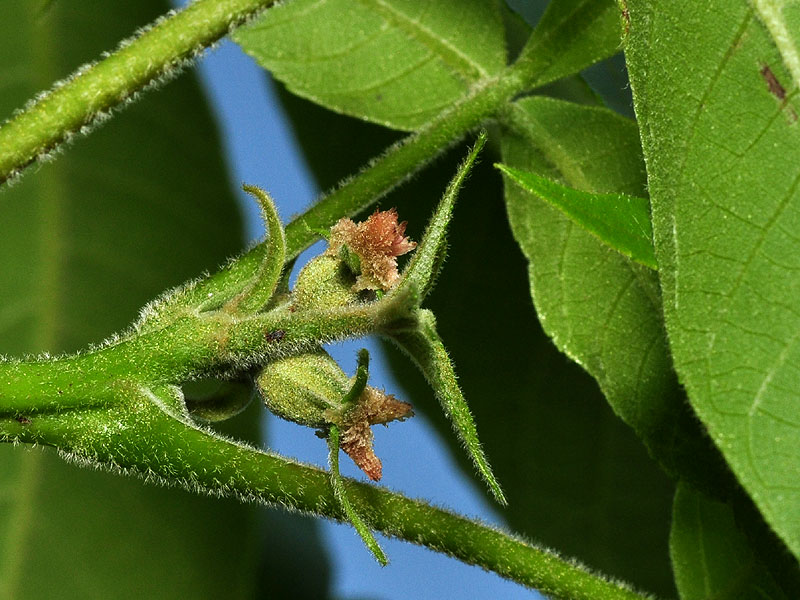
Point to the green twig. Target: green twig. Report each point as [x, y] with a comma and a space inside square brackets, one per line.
[160, 50]
[175, 452]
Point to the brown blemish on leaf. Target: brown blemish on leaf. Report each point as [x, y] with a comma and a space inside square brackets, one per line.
[776, 89]
[626, 16]
[377, 242]
[773, 85]
[22, 420]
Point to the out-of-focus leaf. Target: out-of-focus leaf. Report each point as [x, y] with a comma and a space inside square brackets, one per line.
[718, 116]
[711, 558]
[141, 205]
[394, 62]
[609, 79]
[621, 221]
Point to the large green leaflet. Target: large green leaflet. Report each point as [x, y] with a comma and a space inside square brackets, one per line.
[600, 308]
[402, 62]
[139, 206]
[718, 115]
[394, 62]
[711, 557]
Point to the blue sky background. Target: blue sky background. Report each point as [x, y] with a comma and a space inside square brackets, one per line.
[261, 150]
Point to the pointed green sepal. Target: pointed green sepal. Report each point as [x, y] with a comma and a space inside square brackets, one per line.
[620, 221]
[341, 496]
[351, 259]
[422, 269]
[360, 380]
[426, 349]
[261, 289]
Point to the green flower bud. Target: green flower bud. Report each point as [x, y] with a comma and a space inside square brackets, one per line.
[307, 389]
[325, 282]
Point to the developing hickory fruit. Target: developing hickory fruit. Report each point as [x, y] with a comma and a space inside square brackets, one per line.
[360, 256]
[310, 388]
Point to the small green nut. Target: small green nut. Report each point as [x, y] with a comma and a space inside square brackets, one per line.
[325, 282]
[312, 390]
[306, 389]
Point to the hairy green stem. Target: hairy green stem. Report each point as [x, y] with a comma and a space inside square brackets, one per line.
[189, 348]
[198, 460]
[89, 93]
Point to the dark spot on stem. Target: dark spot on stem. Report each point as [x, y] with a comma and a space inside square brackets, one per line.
[773, 85]
[275, 336]
[22, 420]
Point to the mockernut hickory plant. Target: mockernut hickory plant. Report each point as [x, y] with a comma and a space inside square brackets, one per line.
[616, 290]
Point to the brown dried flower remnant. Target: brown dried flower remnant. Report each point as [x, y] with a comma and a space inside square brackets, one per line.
[377, 242]
[374, 408]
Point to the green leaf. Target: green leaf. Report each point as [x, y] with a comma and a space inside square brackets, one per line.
[340, 492]
[260, 291]
[423, 267]
[600, 308]
[141, 205]
[711, 557]
[429, 55]
[426, 349]
[720, 136]
[619, 220]
[394, 62]
[573, 34]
